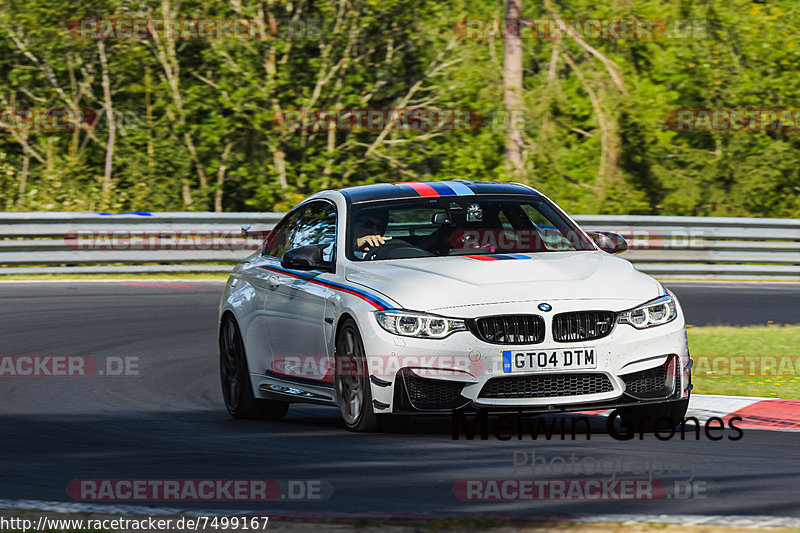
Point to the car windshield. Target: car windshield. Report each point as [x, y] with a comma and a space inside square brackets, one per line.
[463, 225]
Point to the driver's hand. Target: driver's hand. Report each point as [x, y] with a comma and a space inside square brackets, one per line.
[371, 241]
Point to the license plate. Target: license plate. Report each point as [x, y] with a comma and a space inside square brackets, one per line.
[545, 359]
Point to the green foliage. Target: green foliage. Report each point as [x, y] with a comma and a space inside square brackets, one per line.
[199, 125]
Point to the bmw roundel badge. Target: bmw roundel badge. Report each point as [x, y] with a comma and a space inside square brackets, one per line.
[545, 307]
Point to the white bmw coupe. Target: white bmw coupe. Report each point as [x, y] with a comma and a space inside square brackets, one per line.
[443, 296]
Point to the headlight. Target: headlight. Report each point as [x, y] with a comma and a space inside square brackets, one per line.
[653, 313]
[411, 324]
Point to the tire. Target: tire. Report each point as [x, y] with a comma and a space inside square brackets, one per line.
[351, 379]
[234, 375]
[657, 416]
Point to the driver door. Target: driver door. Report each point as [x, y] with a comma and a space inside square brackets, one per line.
[297, 304]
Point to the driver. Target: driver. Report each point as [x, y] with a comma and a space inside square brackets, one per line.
[369, 226]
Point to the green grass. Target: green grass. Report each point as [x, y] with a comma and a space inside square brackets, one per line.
[748, 361]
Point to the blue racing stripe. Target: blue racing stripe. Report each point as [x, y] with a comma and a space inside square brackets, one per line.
[518, 256]
[370, 295]
[442, 188]
[459, 188]
[376, 301]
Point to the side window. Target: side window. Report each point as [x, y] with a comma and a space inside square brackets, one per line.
[501, 216]
[280, 240]
[554, 239]
[317, 226]
[536, 216]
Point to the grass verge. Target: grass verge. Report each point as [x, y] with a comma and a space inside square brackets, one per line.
[746, 361]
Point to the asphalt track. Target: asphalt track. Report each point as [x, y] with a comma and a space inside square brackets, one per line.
[168, 422]
[738, 304]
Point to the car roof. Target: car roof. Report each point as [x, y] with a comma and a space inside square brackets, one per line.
[417, 189]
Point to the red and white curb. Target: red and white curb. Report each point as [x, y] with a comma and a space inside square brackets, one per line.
[757, 413]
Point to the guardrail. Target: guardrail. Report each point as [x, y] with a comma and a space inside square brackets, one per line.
[707, 247]
[667, 247]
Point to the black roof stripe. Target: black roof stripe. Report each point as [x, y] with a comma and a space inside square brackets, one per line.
[391, 191]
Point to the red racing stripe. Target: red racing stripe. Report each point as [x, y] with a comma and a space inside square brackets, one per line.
[374, 303]
[423, 189]
[481, 257]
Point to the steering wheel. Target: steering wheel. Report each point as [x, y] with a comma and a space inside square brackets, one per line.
[396, 249]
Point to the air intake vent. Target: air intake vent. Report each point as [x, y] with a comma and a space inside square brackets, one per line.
[546, 386]
[509, 329]
[656, 382]
[431, 394]
[432, 391]
[583, 325]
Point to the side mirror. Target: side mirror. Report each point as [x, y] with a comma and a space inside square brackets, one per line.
[612, 243]
[307, 258]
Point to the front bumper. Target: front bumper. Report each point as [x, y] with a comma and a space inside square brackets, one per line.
[413, 394]
[633, 367]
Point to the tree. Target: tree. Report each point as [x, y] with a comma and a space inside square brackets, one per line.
[512, 83]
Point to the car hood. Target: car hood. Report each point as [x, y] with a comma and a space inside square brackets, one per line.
[436, 283]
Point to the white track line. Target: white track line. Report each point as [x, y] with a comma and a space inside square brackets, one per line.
[705, 406]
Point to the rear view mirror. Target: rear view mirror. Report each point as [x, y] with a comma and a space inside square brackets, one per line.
[441, 218]
[612, 243]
